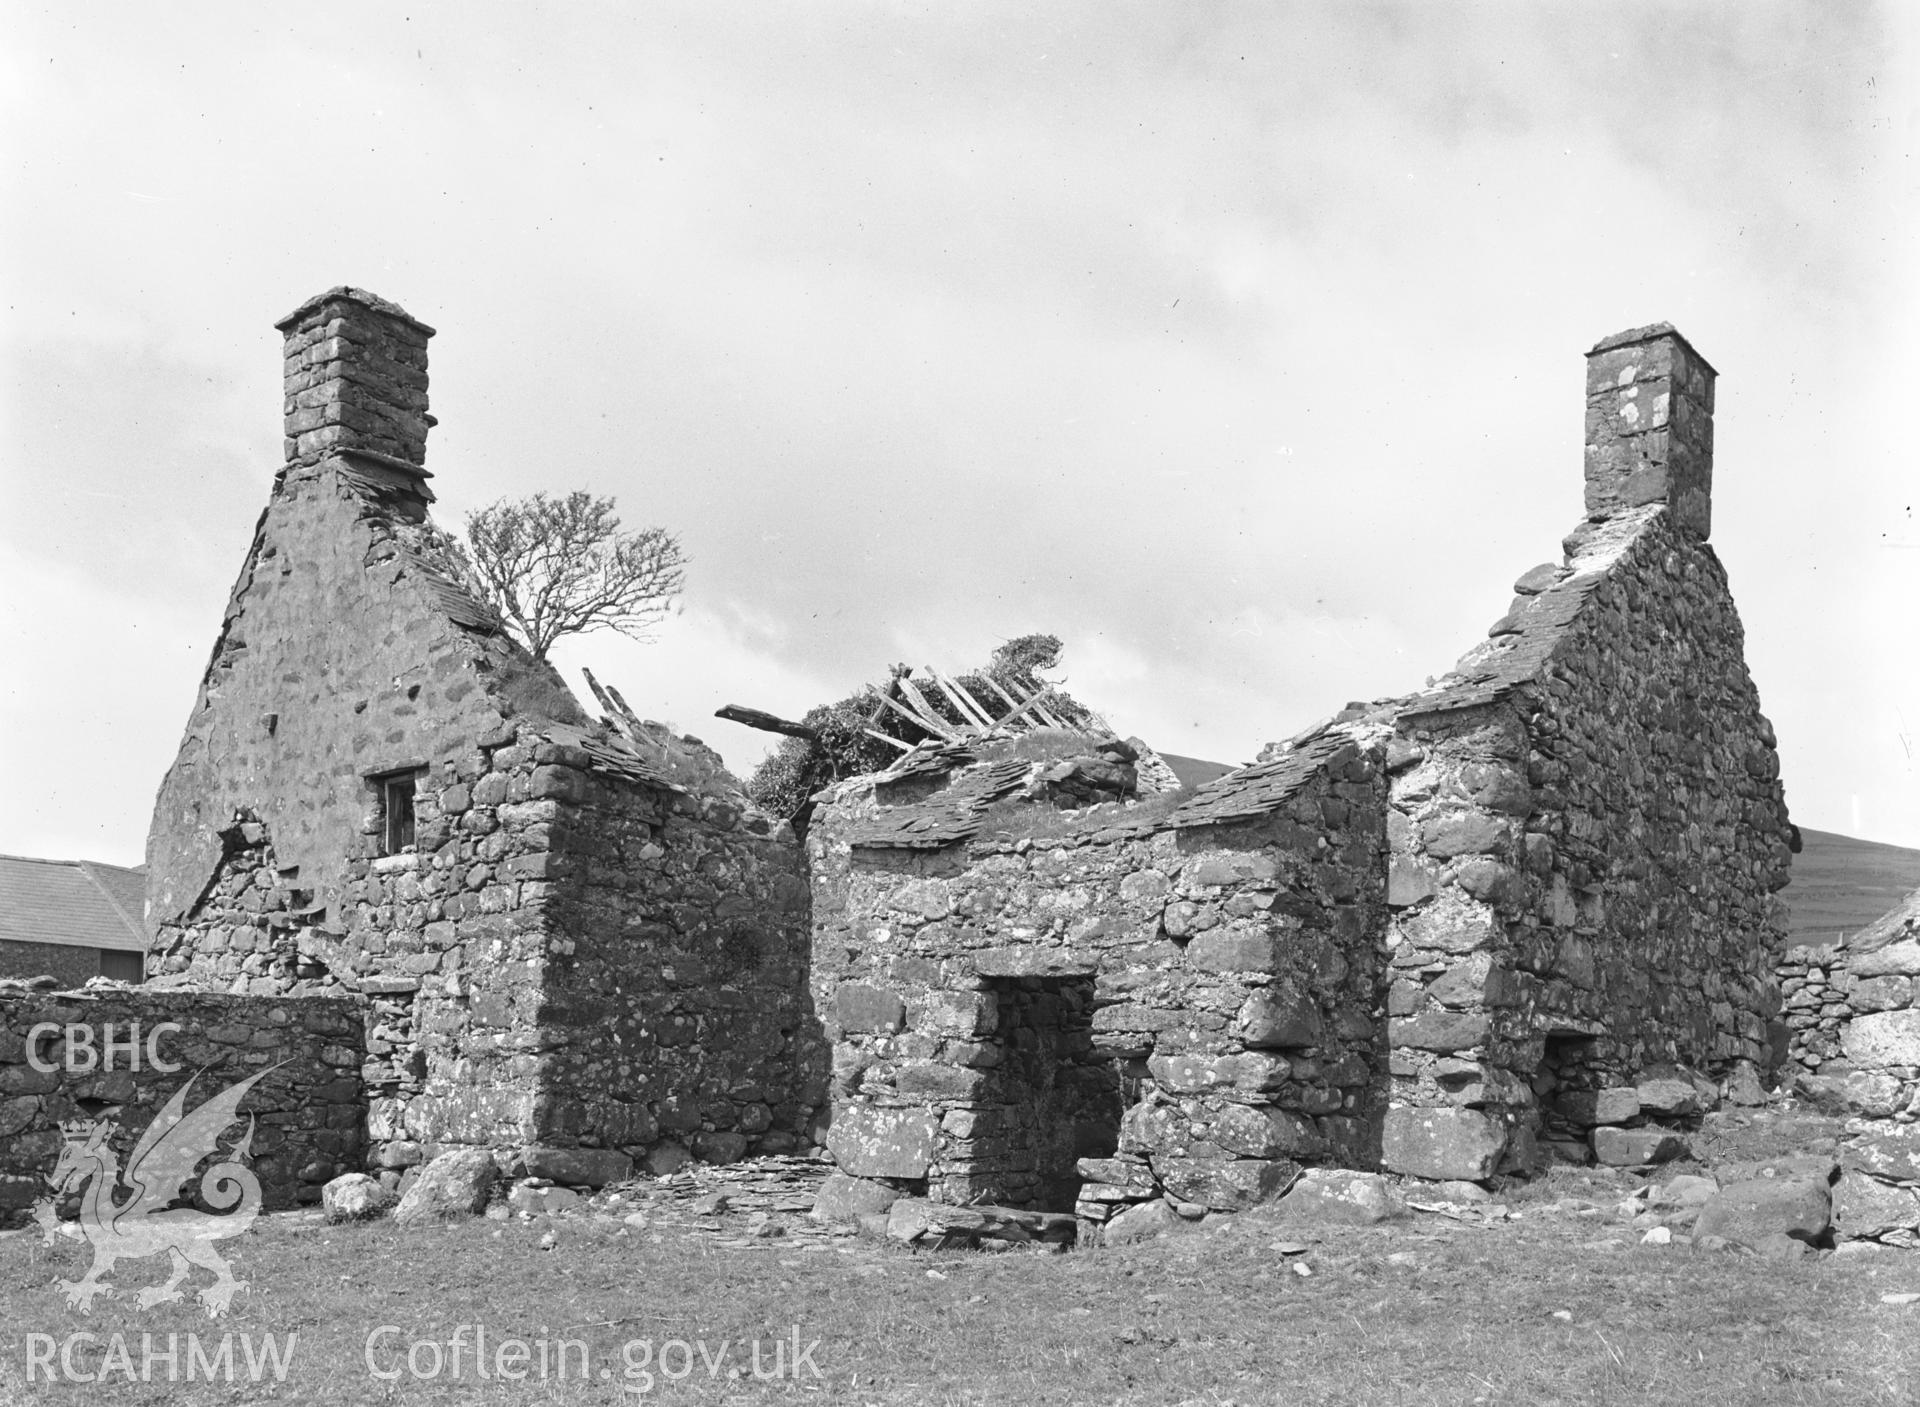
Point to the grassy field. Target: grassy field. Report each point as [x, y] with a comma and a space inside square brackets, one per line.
[1559, 1305]
[1841, 884]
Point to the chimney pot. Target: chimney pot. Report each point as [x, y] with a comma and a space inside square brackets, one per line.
[1650, 427]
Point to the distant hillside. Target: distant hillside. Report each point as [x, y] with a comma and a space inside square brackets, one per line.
[1841, 885]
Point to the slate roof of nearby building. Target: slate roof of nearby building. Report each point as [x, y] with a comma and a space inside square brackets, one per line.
[74, 903]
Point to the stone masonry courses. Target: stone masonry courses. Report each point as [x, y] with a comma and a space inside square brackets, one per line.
[575, 942]
[1439, 935]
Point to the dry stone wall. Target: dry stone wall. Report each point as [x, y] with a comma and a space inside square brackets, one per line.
[309, 1112]
[1853, 1009]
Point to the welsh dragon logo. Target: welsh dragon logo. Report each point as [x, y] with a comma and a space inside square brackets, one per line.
[145, 1223]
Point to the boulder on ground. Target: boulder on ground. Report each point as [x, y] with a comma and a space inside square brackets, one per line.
[455, 1184]
[1749, 1212]
[537, 1199]
[355, 1197]
[1686, 1191]
[667, 1159]
[1332, 1197]
[843, 1198]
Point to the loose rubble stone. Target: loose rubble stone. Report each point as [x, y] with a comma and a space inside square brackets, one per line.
[1748, 1212]
[456, 1184]
[844, 1198]
[1140, 1223]
[1626, 1148]
[355, 1197]
[1865, 1207]
[1325, 1196]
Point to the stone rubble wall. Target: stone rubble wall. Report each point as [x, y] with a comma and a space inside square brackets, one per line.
[69, 965]
[310, 1113]
[336, 664]
[1587, 866]
[1210, 992]
[1853, 1010]
[355, 378]
[676, 1011]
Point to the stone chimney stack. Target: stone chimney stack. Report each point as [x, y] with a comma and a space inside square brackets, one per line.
[356, 381]
[1650, 427]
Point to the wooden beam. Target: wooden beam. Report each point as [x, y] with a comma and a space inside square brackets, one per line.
[766, 722]
[994, 684]
[888, 738]
[919, 701]
[968, 708]
[939, 729]
[606, 704]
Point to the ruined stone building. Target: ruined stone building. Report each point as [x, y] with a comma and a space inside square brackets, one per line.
[571, 939]
[1422, 936]
[1027, 968]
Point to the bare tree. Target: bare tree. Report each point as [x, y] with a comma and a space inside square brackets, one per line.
[562, 566]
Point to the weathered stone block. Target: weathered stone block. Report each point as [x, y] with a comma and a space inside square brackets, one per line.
[1901, 959]
[1879, 1039]
[844, 1198]
[1669, 1096]
[1226, 1186]
[1281, 1017]
[1439, 1030]
[1890, 1152]
[1254, 1131]
[1233, 950]
[868, 1141]
[1864, 1206]
[859, 1007]
[1251, 1073]
[1587, 1107]
[458, 1183]
[1334, 1197]
[1463, 833]
[1442, 1144]
[1629, 1148]
[1749, 1211]
[355, 1197]
[1409, 882]
[579, 1167]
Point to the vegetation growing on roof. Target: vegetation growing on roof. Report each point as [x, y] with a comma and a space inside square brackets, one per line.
[844, 745]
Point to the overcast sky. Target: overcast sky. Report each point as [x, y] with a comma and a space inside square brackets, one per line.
[1238, 346]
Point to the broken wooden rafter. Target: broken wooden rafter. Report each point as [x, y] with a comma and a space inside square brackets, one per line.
[888, 738]
[961, 700]
[766, 722]
[919, 701]
[940, 729]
